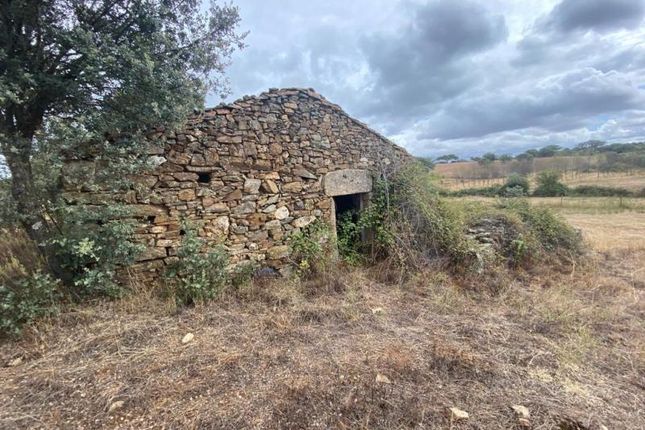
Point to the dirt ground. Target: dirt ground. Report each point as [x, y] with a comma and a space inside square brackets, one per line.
[353, 351]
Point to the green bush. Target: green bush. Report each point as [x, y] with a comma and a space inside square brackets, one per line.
[312, 248]
[491, 191]
[8, 212]
[26, 292]
[598, 191]
[196, 276]
[516, 186]
[92, 244]
[549, 185]
[552, 232]
[348, 237]
[416, 224]
[25, 299]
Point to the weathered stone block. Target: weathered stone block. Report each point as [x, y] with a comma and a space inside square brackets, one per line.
[347, 181]
[270, 187]
[292, 187]
[186, 195]
[244, 208]
[303, 221]
[252, 186]
[281, 213]
[278, 252]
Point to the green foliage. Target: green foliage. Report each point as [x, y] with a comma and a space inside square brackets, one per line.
[92, 244]
[416, 224]
[25, 299]
[348, 237]
[8, 211]
[549, 185]
[546, 227]
[26, 293]
[515, 186]
[196, 276]
[426, 161]
[312, 248]
[491, 191]
[96, 77]
[599, 191]
[243, 274]
[448, 157]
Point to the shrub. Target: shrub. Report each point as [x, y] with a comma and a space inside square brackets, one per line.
[243, 274]
[417, 225]
[491, 191]
[312, 249]
[196, 276]
[8, 212]
[549, 185]
[26, 293]
[92, 244]
[515, 186]
[348, 237]
[25, 299]
[598, 191]
[552, 232]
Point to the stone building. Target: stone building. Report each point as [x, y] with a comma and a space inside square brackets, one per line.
[251, 172]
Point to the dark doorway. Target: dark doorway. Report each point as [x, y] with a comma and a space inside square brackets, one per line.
[349, 204]
[351, 237]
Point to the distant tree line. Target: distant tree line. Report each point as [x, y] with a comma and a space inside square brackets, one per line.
[590, 147]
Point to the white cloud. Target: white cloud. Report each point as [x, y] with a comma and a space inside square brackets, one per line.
[458, 76]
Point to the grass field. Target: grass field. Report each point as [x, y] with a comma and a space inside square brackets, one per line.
[632, 181]
[354, 351]
[581, 205]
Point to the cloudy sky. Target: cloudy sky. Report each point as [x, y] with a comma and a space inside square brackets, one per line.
[457, 76]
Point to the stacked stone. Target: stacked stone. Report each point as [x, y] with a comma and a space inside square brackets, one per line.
[250, 173]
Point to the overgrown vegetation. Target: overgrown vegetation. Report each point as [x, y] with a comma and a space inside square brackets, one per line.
[411, 225]
[70, 96]
[312, 249]
[198, 275]
[92, 244]
[549, 185]
[27, 292]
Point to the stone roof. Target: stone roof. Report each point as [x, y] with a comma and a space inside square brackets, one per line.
[241, 103]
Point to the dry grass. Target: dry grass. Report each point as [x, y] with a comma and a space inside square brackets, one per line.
[451, 178]
[569, 345]
[565, 351]
[616, 232]
[580, 205]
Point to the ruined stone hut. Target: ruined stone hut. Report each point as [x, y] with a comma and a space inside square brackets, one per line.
[251, 172]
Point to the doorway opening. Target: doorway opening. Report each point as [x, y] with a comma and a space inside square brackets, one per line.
[348, 205]
[351, 237]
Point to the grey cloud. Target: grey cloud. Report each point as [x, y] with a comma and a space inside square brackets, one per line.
[446, 75]
[599, 15]
[560, 34]
[421, 64]
[555, 103]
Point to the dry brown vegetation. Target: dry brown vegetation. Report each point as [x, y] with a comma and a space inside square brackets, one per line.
[353, 351]
[458, 176]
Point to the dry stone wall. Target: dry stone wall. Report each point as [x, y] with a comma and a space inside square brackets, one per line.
[250, 173]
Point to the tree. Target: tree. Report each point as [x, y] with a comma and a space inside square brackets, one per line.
[505, 158]
[93, 75]
[549, 185]
[427, 162]
[590, 146]
[549, 151]
[448, 158]
[516, 185]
